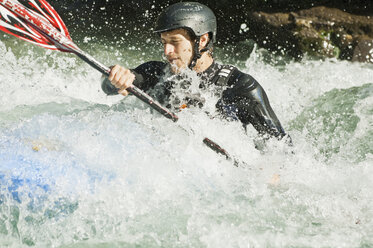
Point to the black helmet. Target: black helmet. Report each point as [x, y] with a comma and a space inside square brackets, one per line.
[193, 16]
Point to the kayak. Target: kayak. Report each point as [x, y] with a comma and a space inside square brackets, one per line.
[25, 174]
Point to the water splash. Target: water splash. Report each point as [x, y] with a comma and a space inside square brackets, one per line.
[97, 170]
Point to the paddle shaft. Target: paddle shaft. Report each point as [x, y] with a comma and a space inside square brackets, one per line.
[218, 149]
[133, 89]
[147, 99]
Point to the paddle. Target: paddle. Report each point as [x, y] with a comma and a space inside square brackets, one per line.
[41, 25]
[218, 149]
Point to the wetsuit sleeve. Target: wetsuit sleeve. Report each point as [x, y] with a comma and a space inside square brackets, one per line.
[107, 87]
[146, 76]
[250, 104]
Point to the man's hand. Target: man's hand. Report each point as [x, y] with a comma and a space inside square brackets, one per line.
[121, 78]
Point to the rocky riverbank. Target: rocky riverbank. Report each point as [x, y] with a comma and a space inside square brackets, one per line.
[318, 31]
[324, 28]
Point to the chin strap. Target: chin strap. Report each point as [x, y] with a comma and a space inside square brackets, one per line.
[197, 54]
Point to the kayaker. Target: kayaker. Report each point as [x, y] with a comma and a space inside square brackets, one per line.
[188, 32]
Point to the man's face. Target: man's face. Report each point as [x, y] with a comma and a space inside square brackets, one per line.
[178, 48]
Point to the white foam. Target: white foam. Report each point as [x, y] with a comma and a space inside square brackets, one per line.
[131, 176]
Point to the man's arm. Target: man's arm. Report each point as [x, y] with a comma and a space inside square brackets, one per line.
[145, 76]
[251, 105]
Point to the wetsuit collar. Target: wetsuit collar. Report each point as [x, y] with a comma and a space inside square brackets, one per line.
[208, 74]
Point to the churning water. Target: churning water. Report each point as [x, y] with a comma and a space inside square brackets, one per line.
[80, 169]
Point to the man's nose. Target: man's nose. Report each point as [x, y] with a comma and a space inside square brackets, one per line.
[168, 49]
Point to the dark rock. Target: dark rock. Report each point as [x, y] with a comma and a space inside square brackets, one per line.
[363, 51]
[318, 31]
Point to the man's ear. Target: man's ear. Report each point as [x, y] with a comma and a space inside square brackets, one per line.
[203, 41]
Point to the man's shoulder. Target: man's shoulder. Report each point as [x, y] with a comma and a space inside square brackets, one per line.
[236, 77]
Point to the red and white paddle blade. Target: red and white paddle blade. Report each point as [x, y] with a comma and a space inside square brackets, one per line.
[17, 26]
[43, 8]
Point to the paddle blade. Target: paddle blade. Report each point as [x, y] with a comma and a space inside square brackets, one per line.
[36, 24]
[44, 9]
[13, 25]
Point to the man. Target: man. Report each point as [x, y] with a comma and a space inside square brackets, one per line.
[188, 31]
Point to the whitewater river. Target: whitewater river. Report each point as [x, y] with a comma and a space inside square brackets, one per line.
[80, 169]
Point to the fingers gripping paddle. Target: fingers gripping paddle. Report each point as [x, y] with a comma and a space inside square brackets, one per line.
[37, 22]
[40, 24]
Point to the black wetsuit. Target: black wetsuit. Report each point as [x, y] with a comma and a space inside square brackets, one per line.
[241, 96]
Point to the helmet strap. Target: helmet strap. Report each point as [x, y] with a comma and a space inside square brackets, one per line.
[197, 54]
